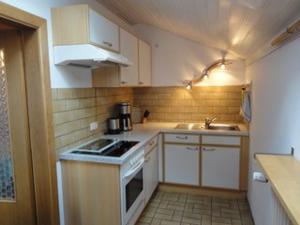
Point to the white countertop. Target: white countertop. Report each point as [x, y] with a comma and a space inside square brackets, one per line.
[143, 133]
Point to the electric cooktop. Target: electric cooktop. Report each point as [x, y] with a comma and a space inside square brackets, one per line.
[115, 150]
[97, 145]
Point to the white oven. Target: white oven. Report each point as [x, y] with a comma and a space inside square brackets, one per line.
[132, 188]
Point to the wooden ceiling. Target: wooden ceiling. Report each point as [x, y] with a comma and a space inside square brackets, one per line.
[242, 27]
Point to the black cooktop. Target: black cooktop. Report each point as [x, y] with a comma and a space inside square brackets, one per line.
[116, 150]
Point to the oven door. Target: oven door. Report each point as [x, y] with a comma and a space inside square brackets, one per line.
[133, 191]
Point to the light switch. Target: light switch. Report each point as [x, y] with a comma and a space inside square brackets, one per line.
[93, 126]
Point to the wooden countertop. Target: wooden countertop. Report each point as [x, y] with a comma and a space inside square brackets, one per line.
[283, 173]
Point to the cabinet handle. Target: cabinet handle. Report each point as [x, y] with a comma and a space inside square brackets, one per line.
[141, 82]
[147, 159]
[208, 149]
[192, 149]
[108, 43]
[124, 82]
[182, 138]
[151, 144]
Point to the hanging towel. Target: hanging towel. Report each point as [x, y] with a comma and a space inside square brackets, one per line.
[246, 106]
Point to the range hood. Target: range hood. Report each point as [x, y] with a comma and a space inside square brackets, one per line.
[87, 56]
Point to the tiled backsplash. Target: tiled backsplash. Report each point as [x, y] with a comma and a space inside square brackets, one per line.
[176, 104]
[74, 110]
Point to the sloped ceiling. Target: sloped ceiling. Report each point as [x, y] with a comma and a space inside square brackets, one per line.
[242, 27]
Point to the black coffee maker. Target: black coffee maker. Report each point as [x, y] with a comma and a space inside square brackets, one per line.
[125, 116]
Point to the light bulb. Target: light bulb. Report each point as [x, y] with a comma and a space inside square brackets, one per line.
[189, 86]
[205, 77]
[223, 67]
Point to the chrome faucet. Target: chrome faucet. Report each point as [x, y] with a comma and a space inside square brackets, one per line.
[208, 121]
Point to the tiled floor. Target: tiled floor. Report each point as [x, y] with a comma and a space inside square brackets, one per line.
[184, 209]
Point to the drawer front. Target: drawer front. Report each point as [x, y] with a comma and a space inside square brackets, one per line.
[152, 143]
[182, 138]
[221, 140]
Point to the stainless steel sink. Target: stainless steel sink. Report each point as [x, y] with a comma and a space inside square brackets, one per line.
[201, 126]
[223, 127]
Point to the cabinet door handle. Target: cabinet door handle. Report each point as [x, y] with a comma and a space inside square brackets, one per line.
[141, 82]
[208, 149]
[108, 43]
[147, 159]
[124, 82]
[152, 143]
[182, 138]
[192, 149]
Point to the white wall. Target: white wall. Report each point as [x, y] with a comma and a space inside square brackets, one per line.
[275, 127]
[176, 59]
[63, 77]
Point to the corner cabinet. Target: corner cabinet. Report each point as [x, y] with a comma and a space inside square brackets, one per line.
[79, 24]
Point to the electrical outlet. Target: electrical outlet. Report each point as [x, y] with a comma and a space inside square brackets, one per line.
[93, 126]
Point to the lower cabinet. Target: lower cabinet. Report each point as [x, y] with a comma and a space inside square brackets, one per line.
[182, 164]
[151, 173]
[220, 167]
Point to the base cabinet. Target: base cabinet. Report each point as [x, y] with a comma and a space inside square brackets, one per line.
[182, 164]
[220, 167]
[151, 173]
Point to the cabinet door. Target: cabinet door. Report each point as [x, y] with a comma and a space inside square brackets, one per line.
[129, 49]
[182, 164]
[144, 64]
[220, 167]
[103, 32]
[151, 173]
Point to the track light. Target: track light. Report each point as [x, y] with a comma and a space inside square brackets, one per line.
[189, 85]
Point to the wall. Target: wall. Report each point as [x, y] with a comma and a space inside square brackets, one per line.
[176, 59]
[176, 104]
[74, 110]
[276, 107]
[64, 77]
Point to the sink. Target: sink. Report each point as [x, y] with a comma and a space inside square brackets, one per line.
[223, 127]
[200, 126]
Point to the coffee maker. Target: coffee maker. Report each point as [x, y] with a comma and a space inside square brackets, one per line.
[125, 116]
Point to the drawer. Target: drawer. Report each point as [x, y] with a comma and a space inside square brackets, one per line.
[182, 138]
[152, 143]
[221, 140]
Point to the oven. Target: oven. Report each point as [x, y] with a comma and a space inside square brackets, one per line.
[132, 189]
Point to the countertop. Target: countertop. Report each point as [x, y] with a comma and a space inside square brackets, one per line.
[143, 133]
[283, 173]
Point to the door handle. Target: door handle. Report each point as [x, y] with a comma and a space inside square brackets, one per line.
[182, 138]
[108, 43]
[192, 149]
[208, 149]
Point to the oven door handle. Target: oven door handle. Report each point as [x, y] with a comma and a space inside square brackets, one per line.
[136, 168]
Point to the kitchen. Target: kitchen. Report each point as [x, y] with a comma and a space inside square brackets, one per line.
[150, 112]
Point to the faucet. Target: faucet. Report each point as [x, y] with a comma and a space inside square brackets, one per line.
[208, 121]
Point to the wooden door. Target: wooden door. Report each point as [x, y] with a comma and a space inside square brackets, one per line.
[17, 205]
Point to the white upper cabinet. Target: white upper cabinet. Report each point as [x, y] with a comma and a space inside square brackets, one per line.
[129, 76]
[103, 32]
[144, 64]
[78, 24]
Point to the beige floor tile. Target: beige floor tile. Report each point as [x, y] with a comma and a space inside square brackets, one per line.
[183, 209]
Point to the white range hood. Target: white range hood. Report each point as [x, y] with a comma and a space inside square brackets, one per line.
[88, 56]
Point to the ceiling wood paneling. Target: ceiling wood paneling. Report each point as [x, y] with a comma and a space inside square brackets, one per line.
[237, 26]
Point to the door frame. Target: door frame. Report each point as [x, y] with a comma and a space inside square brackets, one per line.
[40, 117]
